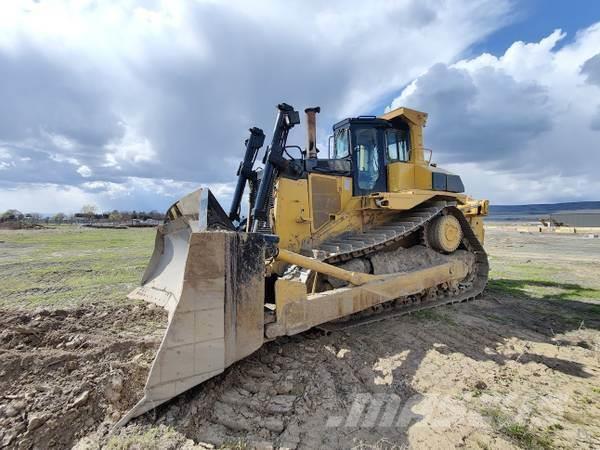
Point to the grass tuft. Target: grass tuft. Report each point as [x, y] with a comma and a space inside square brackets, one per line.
[435, 315]
[522, 434]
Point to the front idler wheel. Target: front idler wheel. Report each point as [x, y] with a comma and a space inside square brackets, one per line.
[444, 234]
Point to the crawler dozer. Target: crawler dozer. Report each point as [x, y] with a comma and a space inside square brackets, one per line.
[373, 230]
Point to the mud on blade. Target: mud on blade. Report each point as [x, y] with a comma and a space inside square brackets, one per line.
[210, 279]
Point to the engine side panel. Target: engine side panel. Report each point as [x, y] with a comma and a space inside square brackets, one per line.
[292, 215]
[401, 176]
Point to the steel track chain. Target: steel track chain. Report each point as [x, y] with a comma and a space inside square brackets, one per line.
[470, 241]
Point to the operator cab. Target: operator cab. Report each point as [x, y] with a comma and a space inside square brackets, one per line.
[369, 144]
[380, 154]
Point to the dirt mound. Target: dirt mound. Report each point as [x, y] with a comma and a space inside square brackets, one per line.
[22, 226]
[63, 373]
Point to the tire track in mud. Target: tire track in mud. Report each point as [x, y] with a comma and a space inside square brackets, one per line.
[283, 395]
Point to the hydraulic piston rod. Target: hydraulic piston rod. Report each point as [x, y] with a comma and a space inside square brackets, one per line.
[245, 172]
[356, 278]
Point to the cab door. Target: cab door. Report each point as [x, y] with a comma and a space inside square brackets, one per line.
[368, 158]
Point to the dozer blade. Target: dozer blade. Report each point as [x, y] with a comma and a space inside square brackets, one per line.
[211, 281]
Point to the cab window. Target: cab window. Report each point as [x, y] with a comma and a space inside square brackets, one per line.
[367, 157]
[341, 146]
[398, 148]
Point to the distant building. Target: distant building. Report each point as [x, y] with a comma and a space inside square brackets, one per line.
[580, 218]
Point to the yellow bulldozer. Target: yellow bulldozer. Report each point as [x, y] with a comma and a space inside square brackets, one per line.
[372, 231]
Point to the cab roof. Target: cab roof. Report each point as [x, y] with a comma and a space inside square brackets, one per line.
[411, 115]
[392, 118]
[363, 120]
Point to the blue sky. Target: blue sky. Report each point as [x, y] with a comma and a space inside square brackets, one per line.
[534, 19]
[131, 104]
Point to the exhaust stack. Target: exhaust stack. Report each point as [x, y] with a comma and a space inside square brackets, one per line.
[311, 128]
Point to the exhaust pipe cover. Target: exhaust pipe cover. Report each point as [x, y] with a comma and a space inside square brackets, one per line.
[311, 129]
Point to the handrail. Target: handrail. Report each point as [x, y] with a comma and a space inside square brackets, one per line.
[430, 154]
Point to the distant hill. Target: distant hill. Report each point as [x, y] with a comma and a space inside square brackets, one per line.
[534, 211]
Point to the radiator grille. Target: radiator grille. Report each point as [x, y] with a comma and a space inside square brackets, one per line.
[325, 199]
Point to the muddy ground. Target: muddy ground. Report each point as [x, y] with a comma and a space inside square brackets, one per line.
[517, 368]
[63, 372]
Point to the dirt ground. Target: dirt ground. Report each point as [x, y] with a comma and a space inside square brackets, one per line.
[517, 368]
[62, 372]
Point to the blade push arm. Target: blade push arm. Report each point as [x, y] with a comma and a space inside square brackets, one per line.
[245, 172]
[274, 161]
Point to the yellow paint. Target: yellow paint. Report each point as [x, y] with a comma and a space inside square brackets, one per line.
[422, 177]
[309, 211]
[356, 278]
[471, 207]
[416, 121]
[325, 198]
[416, 173]
[474, 211]
[297, 311]
[291, 211]
[476, 223]
[288, 291]
[293, 219]
[401, 176]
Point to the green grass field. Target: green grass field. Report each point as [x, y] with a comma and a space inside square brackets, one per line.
[537, 279]
[70, 266]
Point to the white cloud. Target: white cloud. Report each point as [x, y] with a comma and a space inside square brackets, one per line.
[141, 101]
[130, 147]
[132, 193]
[44, 198]
[60, 158]
[84, 171]
[524, 187]
[4, 153]
[59, 141]
[167, 89]
[524, 124]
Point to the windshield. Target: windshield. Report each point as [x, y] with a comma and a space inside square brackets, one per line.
[341, 147]
[367, 157]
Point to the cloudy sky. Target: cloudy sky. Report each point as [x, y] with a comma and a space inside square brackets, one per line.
[130, 104]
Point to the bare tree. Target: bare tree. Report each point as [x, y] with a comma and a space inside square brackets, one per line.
[59, 218]
[89, 211]
[35, 217]
[12, 214]
[115, 216]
